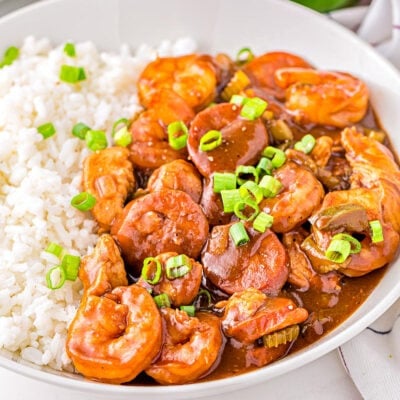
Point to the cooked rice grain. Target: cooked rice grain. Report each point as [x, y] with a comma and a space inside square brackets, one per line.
[38, 178]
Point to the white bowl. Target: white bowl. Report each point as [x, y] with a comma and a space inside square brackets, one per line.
[219, 25]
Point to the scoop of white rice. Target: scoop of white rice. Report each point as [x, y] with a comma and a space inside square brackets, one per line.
[38, 178]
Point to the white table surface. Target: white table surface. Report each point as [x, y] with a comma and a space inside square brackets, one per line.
[324, 379]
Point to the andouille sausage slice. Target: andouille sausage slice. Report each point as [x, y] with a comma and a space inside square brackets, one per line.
[262, 263]
[242, 140]
[162, 221]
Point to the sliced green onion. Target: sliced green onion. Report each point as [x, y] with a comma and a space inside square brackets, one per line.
[71, 74]
[338, 250]
[355, 245]
[244, 55]
[223, 181]
[162, 300]
[70, 264]
[376, 231]
[277, 156]
[122, 137]
[116, 126]
[9, 56]
[189, 310]
[46, 130]
[246, 204]
[263, 221]
[229, 199]
[178, 266]
[306, 144]
[79, 130]
[96, 140]
[202, 293]
[253, 108]
[55, 277]
[148, 273]
[69, 49]
[55, 249]
[251, 189]
[264, 166]
[243, 172]
[83, 201]
[238, 234]
[270, 186]
[178, 134]
[210, 140]
[238, 100]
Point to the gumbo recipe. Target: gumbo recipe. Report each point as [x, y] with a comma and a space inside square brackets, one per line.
[176, 216]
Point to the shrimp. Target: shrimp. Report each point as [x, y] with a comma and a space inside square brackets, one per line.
[242, 140]
[193, 78]
[261, 70]
[182, 290]
[117, 330]
[250, 314]
[178, 175]
[108, 176]
[324, 98]
[374, 167]
[350, 211]
[300, 196]
[150, 147]
[261, 263]
[322, 151]
[191, 349]
[158, 222]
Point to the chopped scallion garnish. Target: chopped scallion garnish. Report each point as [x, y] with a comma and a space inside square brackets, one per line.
[9, 56]
[162, 300]
[238, 234]
[376, 231]
[69, 49]
[245, 172]
[70, 264]
[210, 140]
[355, 245]
[253, 108]
[251, 189]
[151, 271]
[122, 137]
[83, 201]
[277, 156]
[244, 55]
[55, 249]
[306, 144]
[71, 74]
[229, 199]
[177, 135]
[79, 130]
[245, 205]
[270, 186]
[55, 277]
[338, 250]
[117, 125]
[223, 181]
[263, 221]
[96, 140]
[178, 266]
[264, 166]
[189, 310]
[238, 100]
[46, 130]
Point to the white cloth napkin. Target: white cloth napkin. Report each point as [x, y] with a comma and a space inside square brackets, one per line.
[372, 359]
[378, 24]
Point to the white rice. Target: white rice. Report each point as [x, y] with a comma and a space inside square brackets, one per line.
[39, 177]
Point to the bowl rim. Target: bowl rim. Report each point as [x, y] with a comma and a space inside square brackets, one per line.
[331, 341]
